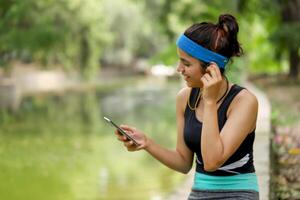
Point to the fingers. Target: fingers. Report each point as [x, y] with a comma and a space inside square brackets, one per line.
[120, 136]
[126, 142]
[132, 131]
[214, 71]
[205, 79]
[129, 144]
[213, 75]
[127, 128]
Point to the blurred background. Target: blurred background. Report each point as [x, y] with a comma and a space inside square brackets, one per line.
[64, 64]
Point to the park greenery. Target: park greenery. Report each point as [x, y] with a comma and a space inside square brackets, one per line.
[84, 35]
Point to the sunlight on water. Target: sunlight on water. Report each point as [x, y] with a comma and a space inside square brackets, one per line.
[103, 180]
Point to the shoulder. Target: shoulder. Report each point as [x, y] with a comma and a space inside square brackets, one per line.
[184, 92]
[246, 99]
[182, 97]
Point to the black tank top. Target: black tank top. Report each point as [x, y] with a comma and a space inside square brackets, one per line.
[241, 160]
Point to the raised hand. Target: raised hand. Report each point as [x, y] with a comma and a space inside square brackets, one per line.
[212, 81]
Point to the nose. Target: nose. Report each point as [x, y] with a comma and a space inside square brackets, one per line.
[180, 68]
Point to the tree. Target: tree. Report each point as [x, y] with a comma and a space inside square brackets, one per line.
[283, 20]
[70, 33]
[288, 35]
[264, 24]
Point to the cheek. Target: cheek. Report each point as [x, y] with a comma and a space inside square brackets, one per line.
[202, 71]
[197, 75]
[199, 72]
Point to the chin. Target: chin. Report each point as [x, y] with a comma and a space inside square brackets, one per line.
[189, 85]
[194, 85]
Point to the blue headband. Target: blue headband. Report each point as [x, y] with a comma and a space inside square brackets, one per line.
[199, 52]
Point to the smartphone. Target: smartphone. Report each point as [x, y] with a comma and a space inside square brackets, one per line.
[121, 131]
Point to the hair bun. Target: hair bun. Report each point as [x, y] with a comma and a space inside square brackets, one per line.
[230, 26]
[228, 23]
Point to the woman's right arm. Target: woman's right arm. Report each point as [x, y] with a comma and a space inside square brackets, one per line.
[180, 159]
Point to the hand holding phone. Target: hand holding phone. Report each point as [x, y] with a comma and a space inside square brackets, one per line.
[121, 131]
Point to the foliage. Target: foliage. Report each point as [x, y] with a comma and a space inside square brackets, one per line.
[133, 34]
[287, 37]
[77, 34]
[254, 31]
[261, 29]
[175, 16]
[281, 20]
[67, 32]
[167, 55]
[259, 50]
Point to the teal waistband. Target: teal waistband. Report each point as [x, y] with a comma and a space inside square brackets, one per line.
[235, 182]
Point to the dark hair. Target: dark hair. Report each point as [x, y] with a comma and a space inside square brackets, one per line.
[220, 37]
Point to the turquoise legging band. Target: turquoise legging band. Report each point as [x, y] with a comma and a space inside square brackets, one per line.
[235, 182]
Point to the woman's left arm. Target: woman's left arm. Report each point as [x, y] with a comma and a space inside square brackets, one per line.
[216, 146]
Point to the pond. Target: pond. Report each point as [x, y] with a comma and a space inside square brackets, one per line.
[59, 147]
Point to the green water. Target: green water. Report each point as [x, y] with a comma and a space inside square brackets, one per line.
[59, 147]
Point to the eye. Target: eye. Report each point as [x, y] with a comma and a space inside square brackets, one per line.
[187, 64]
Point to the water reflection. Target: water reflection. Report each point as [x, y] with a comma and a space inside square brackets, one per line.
[58, 146]
[103, 180]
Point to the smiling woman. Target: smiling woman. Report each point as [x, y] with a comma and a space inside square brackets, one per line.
[191, 69]
[216, 119]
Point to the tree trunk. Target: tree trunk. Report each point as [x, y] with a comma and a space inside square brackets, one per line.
[290, 13]
[294, 64]
[166, 10]
[84, 53]
[290, 10]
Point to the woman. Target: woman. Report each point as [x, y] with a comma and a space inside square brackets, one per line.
[216, 119]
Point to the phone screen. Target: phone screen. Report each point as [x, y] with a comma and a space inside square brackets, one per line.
[121, 131]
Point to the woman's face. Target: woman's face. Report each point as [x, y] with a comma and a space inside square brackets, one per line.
[191, 69]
